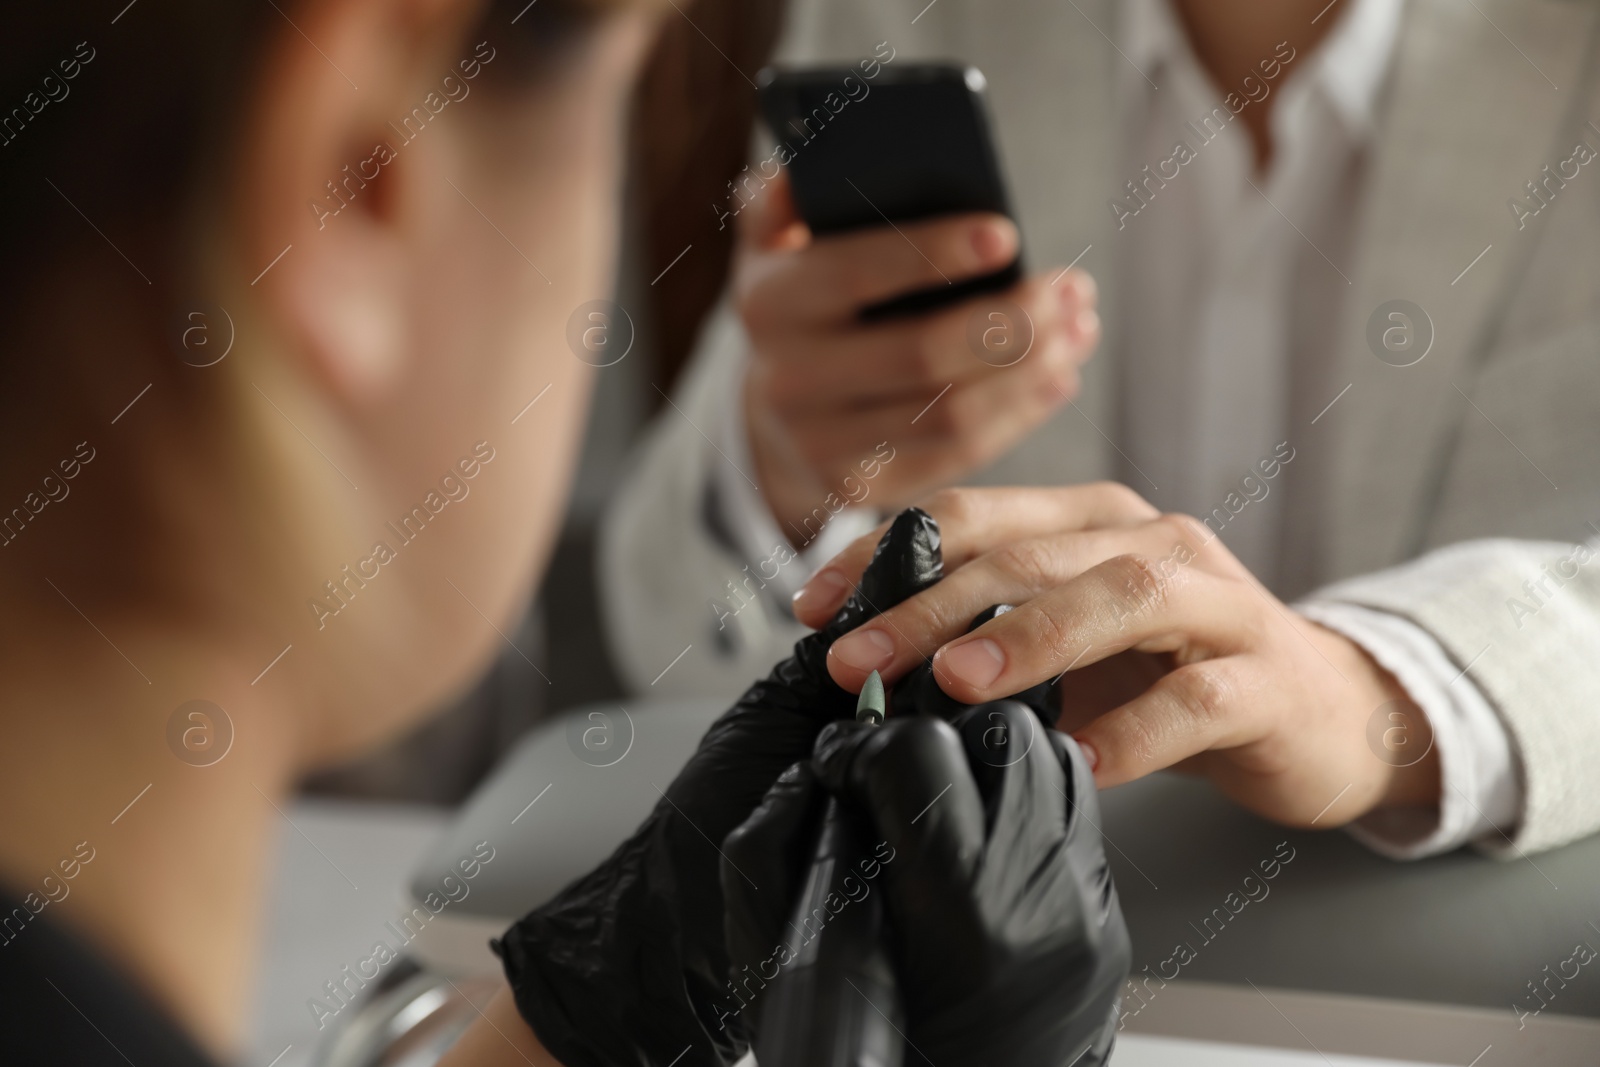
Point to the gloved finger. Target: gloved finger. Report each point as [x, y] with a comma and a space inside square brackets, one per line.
[1105, 927]
[764, 860]
[1083, 799]
[1019, 775]
[1016, 768]
[907, 561]
[909, 779]
[1085, 841]
[1022, 772]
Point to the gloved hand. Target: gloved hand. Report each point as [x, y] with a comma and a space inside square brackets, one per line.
[626, 965]
[1004, 927]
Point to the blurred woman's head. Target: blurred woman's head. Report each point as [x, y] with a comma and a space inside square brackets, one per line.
[283, 282]
[328, 252]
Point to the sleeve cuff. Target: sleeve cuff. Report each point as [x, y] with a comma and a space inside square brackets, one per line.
[1481, 792]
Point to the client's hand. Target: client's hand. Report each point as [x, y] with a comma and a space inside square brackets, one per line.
[1178, 655]
[622, 967]
[1005, 931]
[821, 385]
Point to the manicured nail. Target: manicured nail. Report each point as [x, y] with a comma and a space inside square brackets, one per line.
[864, 650]
[823, 594]
[977, 663]
[1090, 756]
[989, 241]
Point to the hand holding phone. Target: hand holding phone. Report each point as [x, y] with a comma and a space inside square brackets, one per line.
[826, 389]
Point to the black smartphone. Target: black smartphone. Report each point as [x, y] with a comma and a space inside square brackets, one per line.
[905, 143]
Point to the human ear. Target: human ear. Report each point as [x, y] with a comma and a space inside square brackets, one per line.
[325, 189]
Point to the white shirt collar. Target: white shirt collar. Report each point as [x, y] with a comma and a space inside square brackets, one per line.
[1348, 68]
[1354, 61]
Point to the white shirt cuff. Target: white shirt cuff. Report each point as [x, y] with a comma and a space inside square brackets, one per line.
[749, 523]
[1481, 792]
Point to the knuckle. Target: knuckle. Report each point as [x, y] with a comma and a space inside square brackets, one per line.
[953, 506]
[1139, 578]
[1144, 737]
[1034, 563]
[939, 423]
[1203, 692]
[924, 356]
[1050, 631]
[952, 417]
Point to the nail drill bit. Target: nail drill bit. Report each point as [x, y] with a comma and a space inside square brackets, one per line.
[870, 705]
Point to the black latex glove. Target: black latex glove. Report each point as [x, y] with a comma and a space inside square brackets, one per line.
[1004, 927]
[628, 966]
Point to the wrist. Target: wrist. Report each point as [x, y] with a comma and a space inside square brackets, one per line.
[1417, 784]
[1390, 760]
[1400, 738]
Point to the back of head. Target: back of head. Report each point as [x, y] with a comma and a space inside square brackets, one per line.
[281, 282]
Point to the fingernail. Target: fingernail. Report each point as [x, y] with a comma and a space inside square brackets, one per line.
[823, 593]
[864, 650]
[989, 241]
[976, 663]
[1090, 756]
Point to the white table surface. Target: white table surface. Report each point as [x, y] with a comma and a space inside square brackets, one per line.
[1144, 1050]
[341, 874]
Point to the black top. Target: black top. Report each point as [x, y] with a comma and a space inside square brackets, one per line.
[61, 1002]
